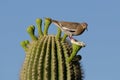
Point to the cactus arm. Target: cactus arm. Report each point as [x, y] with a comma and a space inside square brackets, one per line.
[30, 31]
[64, 37]
[58, 33]
[39, 26]
[76, 48]
[24, 44]
[46, 25]
[76, 45]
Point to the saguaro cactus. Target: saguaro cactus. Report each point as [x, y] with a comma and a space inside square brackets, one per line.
[50, 57]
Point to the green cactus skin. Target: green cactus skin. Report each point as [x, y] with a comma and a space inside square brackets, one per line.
[50, 57]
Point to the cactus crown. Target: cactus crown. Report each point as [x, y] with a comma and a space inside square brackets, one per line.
[50, 57]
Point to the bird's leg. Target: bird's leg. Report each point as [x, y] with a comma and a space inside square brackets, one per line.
[71, 38]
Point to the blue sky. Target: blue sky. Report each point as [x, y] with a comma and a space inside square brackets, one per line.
[101, 56]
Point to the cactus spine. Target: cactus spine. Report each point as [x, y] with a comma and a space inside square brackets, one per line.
[50, 57]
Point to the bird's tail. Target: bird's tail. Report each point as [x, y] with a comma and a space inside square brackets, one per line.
[55, 22]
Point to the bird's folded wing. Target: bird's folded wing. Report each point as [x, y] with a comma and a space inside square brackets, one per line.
[68, 29]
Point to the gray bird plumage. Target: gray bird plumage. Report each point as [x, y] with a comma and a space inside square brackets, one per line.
[71, 28]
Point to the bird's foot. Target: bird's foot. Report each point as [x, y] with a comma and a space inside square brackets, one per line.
[71, 38]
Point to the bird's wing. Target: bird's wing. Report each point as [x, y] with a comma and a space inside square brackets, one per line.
[68, 29]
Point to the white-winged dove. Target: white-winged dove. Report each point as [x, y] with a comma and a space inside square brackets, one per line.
[71, 28]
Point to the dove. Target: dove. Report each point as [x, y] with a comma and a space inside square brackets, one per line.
[71, 28]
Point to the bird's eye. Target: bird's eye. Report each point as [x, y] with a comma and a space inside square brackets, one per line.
[84, 25]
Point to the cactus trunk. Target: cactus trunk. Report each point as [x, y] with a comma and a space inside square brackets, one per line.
[50, 57]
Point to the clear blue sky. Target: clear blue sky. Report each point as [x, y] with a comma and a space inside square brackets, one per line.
[101, 56]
